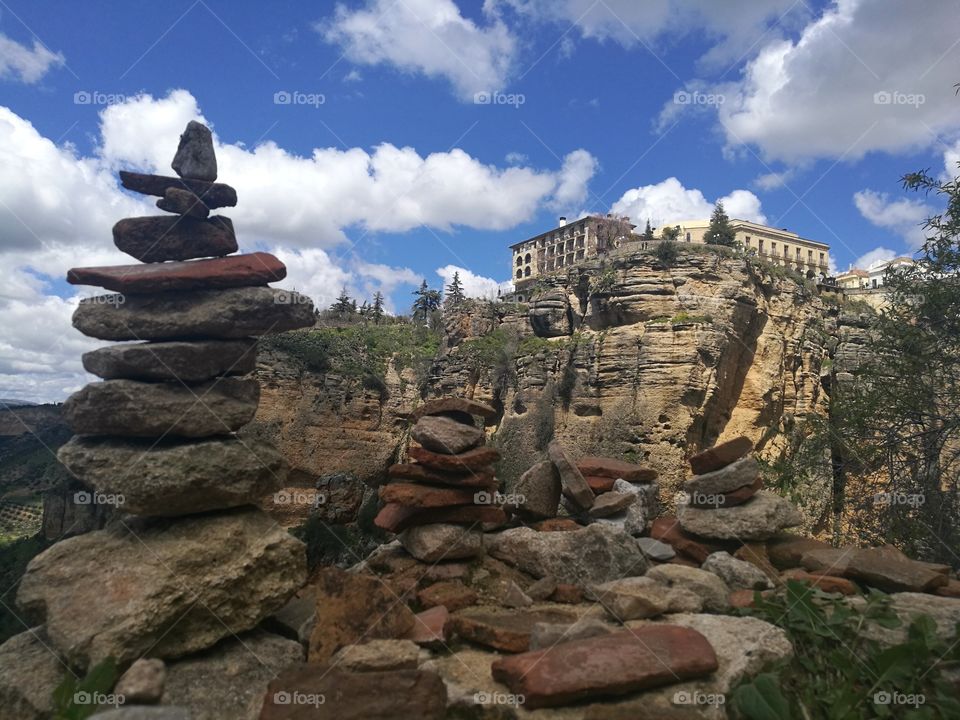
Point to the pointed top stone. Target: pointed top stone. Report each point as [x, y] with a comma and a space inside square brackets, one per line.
[195, 156]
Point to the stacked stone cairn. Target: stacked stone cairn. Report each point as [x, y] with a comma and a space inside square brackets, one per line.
[187, 559]
[441, 502]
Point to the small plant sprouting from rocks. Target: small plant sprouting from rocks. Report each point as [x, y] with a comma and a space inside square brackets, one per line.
[75, 699]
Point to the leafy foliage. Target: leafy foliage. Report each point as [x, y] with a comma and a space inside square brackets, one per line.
[667, 250]
[455, 296]
[72, 697]
[720, 232]
[426, 302]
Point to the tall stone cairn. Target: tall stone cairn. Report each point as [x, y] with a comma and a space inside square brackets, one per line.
[188, 558]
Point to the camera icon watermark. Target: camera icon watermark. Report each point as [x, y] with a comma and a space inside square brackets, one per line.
[498, 698]
[895, 97]
[83, 497]
[286, 297]
[114, 299]
[283, 697]
[685, 97]
[889, 499]
[95, 97]
[696, 697]
[309, 498]
[295, 97]
[82, 697]
[486, 97]
[885, 697]
[485, 497]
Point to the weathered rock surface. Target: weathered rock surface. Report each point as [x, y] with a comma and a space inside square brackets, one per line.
[378, 656]
[737, 574]
[726, 479]
[183, 202]
[143, 682]
[610, 503]
[188, 362]
[159, 238]
[397, 518]
[171, 479]
[655, 550]
[162, 584]
[229, 679]
[257, 268]
[440, 406]
[727, 499]
[721, 455]
[433, 543]
[507, 630]
[476, 459]
[145, 712]
[129, 408]
[431, 627]
[423, 474]
[29, 673]
[546, 635]
[197, 314]
[443, 435]
[762, 517]
[786, 550]
[612, 468]
[631, 598]
[826, 583]
[876, 567]
[195, 157]
[353, 606]
[945, 612]
[424, 496]
[592, 555]
[713, 591]
[451, 594]
[572, 483]
[608, 665]
[213, 195]
[540, 488]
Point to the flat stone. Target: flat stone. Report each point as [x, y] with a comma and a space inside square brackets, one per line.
[450, 594]
[296, 619]
[877, 568]
[159, 238]
[145, 712]
[727, 479]
[950, 590]
[378, 656]
[710, 588]
[226, 272]
[396, 518]
[195, 314]
[352, 607]
[29, 673]
[515, 597]
[502, 629]
[411, 471]
[143, 682]
[568, 594]
[631, 598]
[433, 543]
[720, 500]
[762, 517]
[611, 468]
[443, 435]
[668, 530]
[540, 489]
[213, 195]
[610, 503]
[425, 496]
[654, 549]
[476, 459]
[183, 202]
[644, 505]
[828, 560]
[571, 480]
[229, 680]
[129, 408]
[546, 635]
[187, 362]
[557, 525]
[609, 665]
[599, 484]
[786, 550]
[827, 583]
[195, 156]
[441, 406]
[431, 627]
[172, 479]
[542, 588]
[737, 574]
[756, 554]
[945, 613]
[720, 455]
[320, 692]
[241, 567]
[587, 556]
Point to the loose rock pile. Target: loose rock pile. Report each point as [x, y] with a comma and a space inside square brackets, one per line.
[187, 560]
[440, 503]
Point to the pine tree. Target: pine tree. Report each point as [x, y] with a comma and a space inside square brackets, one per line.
[648, 233]
[455, 294]
[427, 301]
[376, 310]
[670, 234]
[720, 232]
[344, 305]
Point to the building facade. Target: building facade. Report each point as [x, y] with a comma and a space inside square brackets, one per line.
[873, 277]
[779, 246]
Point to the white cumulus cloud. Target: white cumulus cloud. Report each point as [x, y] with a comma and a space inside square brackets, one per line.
[474, 286]
[669, 200]
[26, 64]
[903, 216]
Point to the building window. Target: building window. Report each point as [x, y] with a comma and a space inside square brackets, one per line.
[519, 260]
[798, 254]
[519, 273]
[527, 258]
[688, 237]
[526, 272]
[560, 261]
[760, 245]
[786, 251]
[746, 241]
[773, 248]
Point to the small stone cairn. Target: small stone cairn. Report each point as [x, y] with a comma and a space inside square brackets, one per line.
[440, 502]
[187, 559]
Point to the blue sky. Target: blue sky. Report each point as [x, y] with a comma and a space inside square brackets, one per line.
[423, 136]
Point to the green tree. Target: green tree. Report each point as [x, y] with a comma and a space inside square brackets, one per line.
[670, 234]
[426, 302]
[344, 305]
[376, 310]
[455, 294]
[720, 232]
[648, 235]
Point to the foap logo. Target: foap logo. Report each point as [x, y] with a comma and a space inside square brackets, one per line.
[98, 498]
[895, 97]
[695, 697]
[884, 697]
[286, 297]
[683, 97]
[95, 97]
[295, 97]
[312, 498]
[699, 499]
[498, 698]
[282, 697]
[496, 497]
[889, 499]
[82, 697]
[499, 98]
[115, 299]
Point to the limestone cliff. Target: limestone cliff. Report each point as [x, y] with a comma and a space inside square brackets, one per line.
[629, 357]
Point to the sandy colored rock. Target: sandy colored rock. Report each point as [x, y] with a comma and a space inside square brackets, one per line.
[786, 550]
[557, 525]
[737, 574]
[502, 629]
[174, 478]
[654, 549]
[727, 479]
[721, 455]
[762, 517]
[631, 598]
[434, 543]
[476, 459]
[610, 504]
[188, 362]
[451, 594]
[440, 406]
[230, 313]
[241, 566]
[710, 588]
[540, 488]
[161, 238]
[143, 682]
[378, 656]
[443, 435]
[29, 673]
[129, 408]
[572, 483]
[612, 468]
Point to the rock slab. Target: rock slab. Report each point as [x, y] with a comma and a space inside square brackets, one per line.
[443, 435]
[195, 157]
[762, 517]
[574, 485]
[720, 455]
[187, 362]
[159, 238]
[213, 195]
